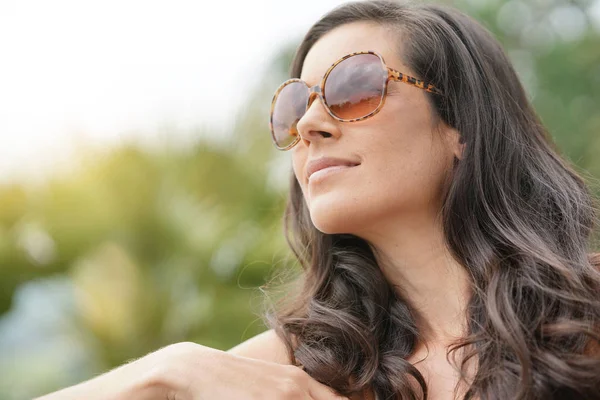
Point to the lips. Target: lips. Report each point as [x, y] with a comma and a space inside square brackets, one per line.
[324, 162]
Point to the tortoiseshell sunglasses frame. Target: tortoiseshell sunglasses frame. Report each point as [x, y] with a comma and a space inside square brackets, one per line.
[317, 90]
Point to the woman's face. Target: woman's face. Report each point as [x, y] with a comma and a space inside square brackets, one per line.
[403, 160]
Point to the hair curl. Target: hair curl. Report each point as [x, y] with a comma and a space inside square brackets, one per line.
[515, 214]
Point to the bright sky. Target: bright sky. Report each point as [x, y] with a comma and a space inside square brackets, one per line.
[100, 70]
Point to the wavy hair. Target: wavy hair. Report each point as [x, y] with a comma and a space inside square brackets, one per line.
[516, 215]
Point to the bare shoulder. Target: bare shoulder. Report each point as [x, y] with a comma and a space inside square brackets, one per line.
[266, 346]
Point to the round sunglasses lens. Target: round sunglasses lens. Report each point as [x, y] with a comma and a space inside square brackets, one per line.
[354, 88]
[289, 107]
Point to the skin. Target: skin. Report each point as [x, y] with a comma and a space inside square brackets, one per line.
[393, 198]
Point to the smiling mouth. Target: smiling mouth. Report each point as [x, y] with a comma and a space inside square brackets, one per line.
[322, 174]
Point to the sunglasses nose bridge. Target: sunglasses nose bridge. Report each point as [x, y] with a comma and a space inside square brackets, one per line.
[313, 93]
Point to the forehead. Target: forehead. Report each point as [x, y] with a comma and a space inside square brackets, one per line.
[351, 38]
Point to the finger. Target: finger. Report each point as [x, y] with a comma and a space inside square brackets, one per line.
[318, 391]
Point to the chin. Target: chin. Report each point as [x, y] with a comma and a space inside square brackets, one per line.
[334, 220]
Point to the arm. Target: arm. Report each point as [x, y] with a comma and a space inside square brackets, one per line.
[179, 370]
[127, 382]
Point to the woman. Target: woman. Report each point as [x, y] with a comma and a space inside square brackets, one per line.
[443, 239]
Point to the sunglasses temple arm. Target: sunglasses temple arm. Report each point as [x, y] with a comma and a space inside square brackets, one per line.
[399, 76]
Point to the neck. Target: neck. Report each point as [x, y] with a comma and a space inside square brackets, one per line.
[414, 259]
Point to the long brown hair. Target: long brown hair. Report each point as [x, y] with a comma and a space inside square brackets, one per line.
[516, 215]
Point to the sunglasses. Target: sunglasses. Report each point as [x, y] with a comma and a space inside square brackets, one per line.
[353, 89]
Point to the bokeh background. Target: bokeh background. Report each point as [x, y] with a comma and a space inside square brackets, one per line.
[140, 195]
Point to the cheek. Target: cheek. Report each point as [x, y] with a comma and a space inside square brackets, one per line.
[404, 164]
[412, 176]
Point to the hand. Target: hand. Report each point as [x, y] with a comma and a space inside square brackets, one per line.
[190, 371]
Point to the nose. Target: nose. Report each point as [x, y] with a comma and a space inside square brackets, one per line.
[316, 123]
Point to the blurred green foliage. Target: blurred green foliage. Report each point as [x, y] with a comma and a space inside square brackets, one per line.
[139, 248]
